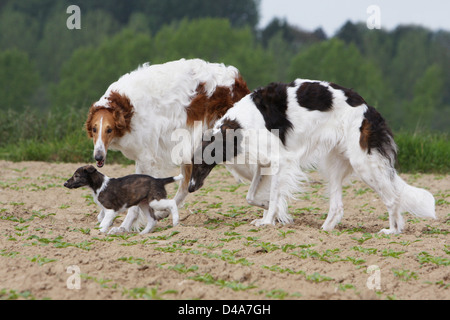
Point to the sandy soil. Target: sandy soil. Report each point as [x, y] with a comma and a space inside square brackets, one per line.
[50, 247]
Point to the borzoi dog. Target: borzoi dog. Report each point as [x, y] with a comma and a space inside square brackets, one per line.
[117, 195]
[138, 114]
[317, 124]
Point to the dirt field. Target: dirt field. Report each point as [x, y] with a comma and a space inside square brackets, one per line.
[50, 247]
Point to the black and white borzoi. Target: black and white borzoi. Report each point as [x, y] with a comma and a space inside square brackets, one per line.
[317, 124]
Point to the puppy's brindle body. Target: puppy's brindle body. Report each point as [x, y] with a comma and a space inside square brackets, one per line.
[117, 195]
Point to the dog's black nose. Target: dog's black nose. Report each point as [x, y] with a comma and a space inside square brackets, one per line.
[66, 184]
[98, 157]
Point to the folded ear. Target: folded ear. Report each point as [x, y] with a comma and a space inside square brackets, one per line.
[122, 111]
[90, 169]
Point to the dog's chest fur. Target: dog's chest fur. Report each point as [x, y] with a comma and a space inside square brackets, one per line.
[123, 193]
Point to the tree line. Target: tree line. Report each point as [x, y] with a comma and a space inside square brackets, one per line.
[44, 66]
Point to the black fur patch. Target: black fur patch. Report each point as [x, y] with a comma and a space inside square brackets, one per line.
[215, 149]
[232, 138]
[353, 98]
[271, 101]
[314, 97]
[376, 134]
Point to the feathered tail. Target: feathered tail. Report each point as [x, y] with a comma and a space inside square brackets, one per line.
[416, 201]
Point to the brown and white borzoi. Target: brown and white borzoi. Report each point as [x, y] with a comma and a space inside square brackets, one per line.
[316, 124]
[138, 114]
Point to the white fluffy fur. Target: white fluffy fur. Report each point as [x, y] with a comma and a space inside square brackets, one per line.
[329, 141]
[160, 95]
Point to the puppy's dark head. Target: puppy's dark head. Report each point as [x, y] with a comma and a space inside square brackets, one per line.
[81, 177]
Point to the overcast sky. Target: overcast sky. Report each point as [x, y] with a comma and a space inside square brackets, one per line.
[332, 14]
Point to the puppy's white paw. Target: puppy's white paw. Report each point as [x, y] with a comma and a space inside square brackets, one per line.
[261, 222]
[389, 231]
[117, 230]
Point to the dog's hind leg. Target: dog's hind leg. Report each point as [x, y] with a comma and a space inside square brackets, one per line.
[167, 204]
[377, 174]
[151, 221]
[335, 168]
[396, 194]
[182, 192]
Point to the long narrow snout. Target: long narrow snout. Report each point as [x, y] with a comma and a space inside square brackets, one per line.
[100, 152]
[70, 184]
[193, 186]
[198, 175]
[102, 131]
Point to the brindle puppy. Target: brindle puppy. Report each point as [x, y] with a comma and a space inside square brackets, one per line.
[117, 195]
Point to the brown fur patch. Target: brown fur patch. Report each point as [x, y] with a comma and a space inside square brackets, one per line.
[122, 111]
[365, 134]
[210, 109]
[377, 135]
[240, 89]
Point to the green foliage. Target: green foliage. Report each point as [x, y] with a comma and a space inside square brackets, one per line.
[50, 75]
[427, 97]
[90, 70]
[18, 79]
[423, 152]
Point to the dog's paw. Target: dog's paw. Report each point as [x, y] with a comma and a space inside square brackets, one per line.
[117, 230]
[389, 231]
[147, 230]
[262, 222]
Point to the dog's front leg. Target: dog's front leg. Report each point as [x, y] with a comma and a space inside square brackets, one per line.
[101, 215]
[127, 223]
[108, 219]
[269, 215]
[257, 194]
[182, 192]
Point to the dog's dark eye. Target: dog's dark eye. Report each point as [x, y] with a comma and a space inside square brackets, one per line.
[94, 130]
[109, 130]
